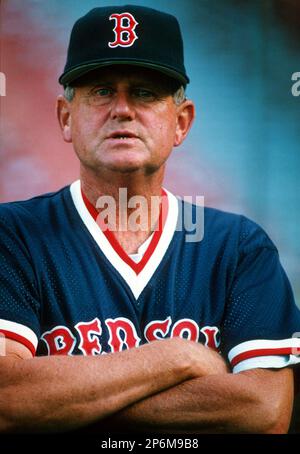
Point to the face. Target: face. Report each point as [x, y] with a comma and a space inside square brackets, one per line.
[124, 119]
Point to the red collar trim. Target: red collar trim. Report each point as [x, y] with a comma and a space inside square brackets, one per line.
[137, 267]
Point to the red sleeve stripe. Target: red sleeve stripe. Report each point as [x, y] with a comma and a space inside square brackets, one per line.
[262, 352]
[19, 338]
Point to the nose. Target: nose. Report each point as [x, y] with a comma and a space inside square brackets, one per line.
[122, 106]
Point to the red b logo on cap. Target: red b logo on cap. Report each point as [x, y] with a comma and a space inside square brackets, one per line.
[124, 30]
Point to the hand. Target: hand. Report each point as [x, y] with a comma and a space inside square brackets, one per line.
[192, 356]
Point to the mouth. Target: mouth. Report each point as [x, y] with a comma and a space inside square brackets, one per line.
[122, 135]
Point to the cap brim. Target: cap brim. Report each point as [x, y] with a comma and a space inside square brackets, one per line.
[75, 73]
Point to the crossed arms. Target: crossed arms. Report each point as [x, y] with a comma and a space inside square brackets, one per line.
[170, 385]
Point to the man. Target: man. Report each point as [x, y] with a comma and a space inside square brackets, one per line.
[105, 322]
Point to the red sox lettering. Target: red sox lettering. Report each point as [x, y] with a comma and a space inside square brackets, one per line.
[123, 334]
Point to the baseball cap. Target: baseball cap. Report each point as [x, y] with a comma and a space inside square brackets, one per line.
[129, 34]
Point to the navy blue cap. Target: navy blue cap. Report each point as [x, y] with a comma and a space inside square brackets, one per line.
[128, 34]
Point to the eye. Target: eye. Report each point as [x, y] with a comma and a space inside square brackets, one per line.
[100, 95]
[144, 94]
[102, 92]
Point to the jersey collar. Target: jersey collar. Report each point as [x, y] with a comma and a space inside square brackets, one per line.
[137, 267]
[137, 275]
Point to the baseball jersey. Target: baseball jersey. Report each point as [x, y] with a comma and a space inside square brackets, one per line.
[67, 286]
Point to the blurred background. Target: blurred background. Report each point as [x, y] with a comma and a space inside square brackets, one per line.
[243, 153]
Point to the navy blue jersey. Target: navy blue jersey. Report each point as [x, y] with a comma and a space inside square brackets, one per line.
[67, 288]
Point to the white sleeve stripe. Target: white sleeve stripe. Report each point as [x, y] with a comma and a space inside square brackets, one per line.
[269, 347]
[266, 362]
[19, 330]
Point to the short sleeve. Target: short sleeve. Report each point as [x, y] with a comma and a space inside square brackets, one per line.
[261, 326]
[19, 302]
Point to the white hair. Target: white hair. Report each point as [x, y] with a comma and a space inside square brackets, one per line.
[69, 93]
[179, 95]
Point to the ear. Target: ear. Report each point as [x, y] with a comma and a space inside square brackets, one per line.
[185, 118]
[63, 113]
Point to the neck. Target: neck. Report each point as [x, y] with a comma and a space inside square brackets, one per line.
[95, 185]
[136, 201]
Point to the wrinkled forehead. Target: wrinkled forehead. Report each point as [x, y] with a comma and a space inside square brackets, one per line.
[127, 74]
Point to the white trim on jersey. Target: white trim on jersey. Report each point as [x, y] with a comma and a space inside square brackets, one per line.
[19, 333]
[136, 282]
[265, 362]
[264, 353]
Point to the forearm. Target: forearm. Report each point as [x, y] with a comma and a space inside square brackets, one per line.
[62, 392]
[213, 404]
